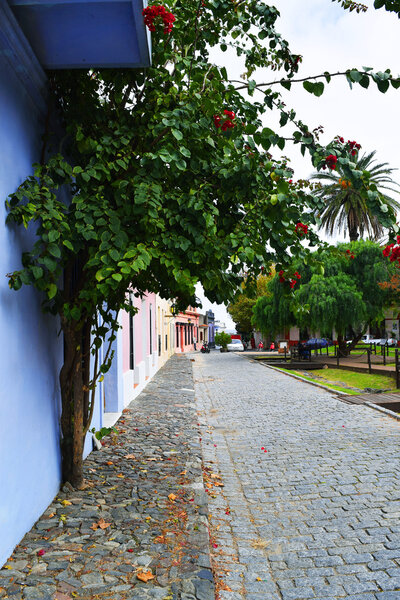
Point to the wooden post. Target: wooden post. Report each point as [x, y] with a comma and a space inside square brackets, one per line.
[397, 368]
[285, 353]
[337, 356]
[369, 361]
[384, 354]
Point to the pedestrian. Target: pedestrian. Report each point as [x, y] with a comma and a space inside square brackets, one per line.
[194, 342]
[253, 343]
[260, 346]
[272, 346]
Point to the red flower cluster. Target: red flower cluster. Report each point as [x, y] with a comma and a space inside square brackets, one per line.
[349, 253]
[301, 229]
[293, 281]
[153, 12]
[393, 251]
[353, 147]
[228, 123]
[330, 162]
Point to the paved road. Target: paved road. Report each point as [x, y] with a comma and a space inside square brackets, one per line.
[310, 506]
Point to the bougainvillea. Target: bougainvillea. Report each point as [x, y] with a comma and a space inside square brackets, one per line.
[331, 161]
[393, 251]
[228, 123]
[151, 13]
[301, 229]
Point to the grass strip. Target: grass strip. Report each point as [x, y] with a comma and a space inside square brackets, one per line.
[338, 380]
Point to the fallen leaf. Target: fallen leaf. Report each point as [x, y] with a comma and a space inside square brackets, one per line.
[130, 456]
[51, 515]
[66, 503]
[100, 524]
[121, 475]
[182, 473]
[109, 462]
[172, 497]
[145, 576]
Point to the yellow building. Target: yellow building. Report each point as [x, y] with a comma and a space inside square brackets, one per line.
[165, 330]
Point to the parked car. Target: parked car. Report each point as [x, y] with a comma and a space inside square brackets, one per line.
[378, 341]
[235, 346]
[367, 338]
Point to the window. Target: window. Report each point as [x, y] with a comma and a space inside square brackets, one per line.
[151, 329]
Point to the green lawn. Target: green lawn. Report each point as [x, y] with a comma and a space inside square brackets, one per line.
[361, 350]
[347, 381]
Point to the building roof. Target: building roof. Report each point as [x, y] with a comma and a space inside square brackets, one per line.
[85, 33]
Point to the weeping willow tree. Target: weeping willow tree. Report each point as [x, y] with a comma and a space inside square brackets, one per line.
[272, 312]
[337, 290]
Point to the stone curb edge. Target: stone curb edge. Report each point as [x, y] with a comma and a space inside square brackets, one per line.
[385, 411]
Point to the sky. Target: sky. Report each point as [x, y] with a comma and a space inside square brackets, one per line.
[331, 39]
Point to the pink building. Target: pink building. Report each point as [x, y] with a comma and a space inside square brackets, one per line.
[139, 346]
[187, 330]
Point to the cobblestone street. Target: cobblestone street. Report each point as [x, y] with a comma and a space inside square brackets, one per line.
[303, 497]
[138, 531]
[310, 503]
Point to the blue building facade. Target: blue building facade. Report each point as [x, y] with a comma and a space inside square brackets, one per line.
[31, 349]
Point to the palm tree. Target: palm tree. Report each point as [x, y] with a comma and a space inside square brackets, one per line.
[345, 209]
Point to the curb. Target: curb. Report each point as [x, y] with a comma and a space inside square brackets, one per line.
[385, 411]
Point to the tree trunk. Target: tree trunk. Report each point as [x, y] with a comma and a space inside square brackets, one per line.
[74, 386]
[342, 346]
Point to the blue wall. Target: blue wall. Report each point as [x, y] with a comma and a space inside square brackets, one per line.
[30, 349]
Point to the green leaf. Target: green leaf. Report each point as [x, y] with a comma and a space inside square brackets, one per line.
[51, 290]
[178, 135]
[54, 250]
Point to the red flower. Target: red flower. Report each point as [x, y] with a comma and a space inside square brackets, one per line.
[301, 229]
[41, 552]
[331, 161]
[153, 12]
[387, 250]
[297, 274]
[398, 239]
[217, 121]
[292, 283]
[228, 123]
[230, 114]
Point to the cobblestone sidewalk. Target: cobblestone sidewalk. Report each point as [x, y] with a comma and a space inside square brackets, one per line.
[307, 501]
[142, 514]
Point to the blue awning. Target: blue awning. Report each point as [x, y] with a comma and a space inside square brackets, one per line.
[84, 34]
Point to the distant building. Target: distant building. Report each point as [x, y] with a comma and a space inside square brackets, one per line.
[211, 328]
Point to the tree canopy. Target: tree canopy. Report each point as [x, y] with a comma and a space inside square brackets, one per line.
[345, 208]
[170, 182]
[339, 289]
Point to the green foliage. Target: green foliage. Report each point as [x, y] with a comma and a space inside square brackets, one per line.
[336, 291]
[103, 432]
[241, 310]
[222, 339]
[271, 312]
[345, 208]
